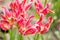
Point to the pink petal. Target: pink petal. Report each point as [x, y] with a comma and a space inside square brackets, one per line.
[30, 31]
[5, 25]
[23, 3]
[28, 5]
[21, 22]
[11, 5]
[48, 5]
[17, 1]
[40, 5]
[29, 20]
[41, 19]
[50, 19]
[44, 30]
[45, 11]
[49, 22]
[6, 12]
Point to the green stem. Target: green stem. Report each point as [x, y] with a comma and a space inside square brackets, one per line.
[20, 37]
[28, 38]
[37, 36]
[4, 36]
[45, 2]
[13, 34]
[54, 34]
[42, 38]
[12, 0]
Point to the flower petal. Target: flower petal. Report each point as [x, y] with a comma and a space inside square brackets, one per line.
[28, 5]
[30, 31]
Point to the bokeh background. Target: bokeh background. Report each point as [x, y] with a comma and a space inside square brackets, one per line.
[53, 33]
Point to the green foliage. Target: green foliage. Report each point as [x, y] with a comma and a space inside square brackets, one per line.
[37, 16]
[38, 37]
[12, 33]
[20, 37]
[2, 36]
[57, 33]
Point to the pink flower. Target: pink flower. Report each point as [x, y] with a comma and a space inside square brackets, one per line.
[25, 26]
[43, 28]
[46, 26]
[17, 11]
[5, 25]
[18, 17]
[21, 8]
[41, 9]
[7, 19]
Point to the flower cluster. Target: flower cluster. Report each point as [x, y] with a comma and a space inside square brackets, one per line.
[42, 11]
[18, 17]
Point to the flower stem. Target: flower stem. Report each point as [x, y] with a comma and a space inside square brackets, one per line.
[12, 0]
[42, 38]
[28, 38]
[45, 2]
[37, 36]
[20, 37]
[12, 33]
